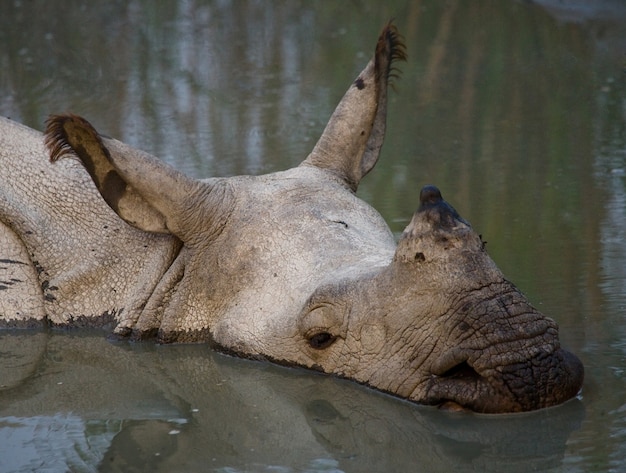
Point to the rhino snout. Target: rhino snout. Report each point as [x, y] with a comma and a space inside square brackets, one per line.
[502, 356]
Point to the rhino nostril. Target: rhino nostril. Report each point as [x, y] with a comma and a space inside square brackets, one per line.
[461, 371]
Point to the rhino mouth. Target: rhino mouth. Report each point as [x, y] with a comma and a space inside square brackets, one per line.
[543, 381]
[458, 386]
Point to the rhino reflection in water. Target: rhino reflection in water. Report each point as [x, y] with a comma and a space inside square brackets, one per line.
[290, 266]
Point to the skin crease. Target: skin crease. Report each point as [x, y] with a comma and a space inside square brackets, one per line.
[291, 266]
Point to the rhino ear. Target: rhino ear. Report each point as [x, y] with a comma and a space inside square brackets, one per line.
[140, 188]
[351, 142]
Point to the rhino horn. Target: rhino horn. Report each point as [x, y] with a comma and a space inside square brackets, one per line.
[351, 142]
[435, 226]
[140, 188]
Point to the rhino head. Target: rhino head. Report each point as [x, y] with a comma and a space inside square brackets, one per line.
[293, 267]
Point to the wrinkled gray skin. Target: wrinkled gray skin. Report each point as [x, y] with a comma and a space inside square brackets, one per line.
[291, 266]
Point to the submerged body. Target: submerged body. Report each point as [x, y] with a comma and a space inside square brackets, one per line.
[289, 266]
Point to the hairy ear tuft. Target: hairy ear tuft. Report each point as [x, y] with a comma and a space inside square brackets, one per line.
[58, 130]
[391, 45]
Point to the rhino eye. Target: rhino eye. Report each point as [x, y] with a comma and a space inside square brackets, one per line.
[321, 340]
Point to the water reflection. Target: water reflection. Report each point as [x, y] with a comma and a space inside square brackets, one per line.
[515, 109]
[97, 406]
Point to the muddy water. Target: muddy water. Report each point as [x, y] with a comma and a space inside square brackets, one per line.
[515, 110]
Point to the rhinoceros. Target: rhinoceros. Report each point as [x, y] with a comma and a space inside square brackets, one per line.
[290, 267]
